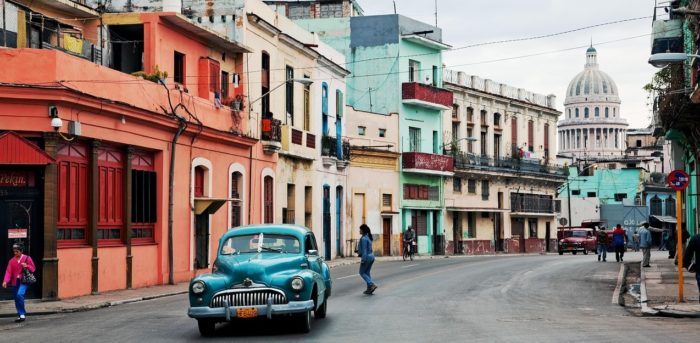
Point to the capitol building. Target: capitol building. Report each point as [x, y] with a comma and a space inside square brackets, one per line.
[592, 128]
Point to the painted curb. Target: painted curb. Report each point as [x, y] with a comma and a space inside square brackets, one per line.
[643, 299]
[618, 295]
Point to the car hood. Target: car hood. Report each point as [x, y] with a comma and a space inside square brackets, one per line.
[260, 268]
[574, 239]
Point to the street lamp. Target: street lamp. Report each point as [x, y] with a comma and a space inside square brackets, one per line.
[664, 59]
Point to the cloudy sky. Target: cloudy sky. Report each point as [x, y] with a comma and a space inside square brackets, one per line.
[466, 22]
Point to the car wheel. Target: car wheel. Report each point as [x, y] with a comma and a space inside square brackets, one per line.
[574, 252]
[303, 322]
[585, 252]
[207, 327]
[561, 252]
[320, 312]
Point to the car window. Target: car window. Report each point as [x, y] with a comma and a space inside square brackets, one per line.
[579, 234]
[310, 244]
[274, 243]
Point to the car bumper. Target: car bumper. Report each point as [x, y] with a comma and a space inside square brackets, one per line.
[228, 313]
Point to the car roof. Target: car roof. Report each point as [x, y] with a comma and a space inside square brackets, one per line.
[294, 230]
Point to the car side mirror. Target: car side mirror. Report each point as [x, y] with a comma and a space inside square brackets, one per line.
[313, 253]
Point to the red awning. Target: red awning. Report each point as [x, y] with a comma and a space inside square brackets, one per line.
[17, 150]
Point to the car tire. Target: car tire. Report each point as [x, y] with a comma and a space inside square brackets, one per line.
[320, 312]
[561, 252]
[207, 327]
[585, 252]
[573, 252]
[303, 322]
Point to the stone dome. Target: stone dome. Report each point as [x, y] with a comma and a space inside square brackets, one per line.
[592, 81]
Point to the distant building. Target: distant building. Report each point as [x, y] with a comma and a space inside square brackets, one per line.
[316, 9]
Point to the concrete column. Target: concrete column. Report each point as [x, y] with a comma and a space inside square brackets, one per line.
[127, 214]
[49, 280]
[93, 208]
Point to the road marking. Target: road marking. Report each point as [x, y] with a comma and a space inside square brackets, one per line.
[410, 265]
[345, 277]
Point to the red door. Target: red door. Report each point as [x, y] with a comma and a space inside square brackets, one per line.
[268, 200]
[386, 231]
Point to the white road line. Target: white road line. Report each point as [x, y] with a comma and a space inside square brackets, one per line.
[410, 265]
[345, 277]
[618, 287]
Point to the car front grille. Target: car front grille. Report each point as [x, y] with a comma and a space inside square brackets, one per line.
[248, 297]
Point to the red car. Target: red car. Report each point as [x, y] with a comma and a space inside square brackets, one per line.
[576, 239]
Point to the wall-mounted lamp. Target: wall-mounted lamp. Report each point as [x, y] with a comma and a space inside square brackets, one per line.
[56, 122]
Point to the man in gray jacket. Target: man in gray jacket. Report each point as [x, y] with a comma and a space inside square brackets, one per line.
[645, 243]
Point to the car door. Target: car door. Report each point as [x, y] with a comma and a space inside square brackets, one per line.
[312, 254]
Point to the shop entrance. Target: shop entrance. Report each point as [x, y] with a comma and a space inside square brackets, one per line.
[21, 209]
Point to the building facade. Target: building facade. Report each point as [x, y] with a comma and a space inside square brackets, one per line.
[502, 195]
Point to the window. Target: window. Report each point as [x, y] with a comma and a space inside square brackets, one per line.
[298, 11]
[361, 130]
[324, 109]
[414, 139]
[532, 228]
[546, 142]
[670, 207]
[484, 118]
[386, 201]
[265, 85]
[470, 115]
[198, 181]
[471, 186]
[224, 85]
[143, 198]
[655, 206]
[179, 68]
[591, 194]
[497, 119]
[436, 143]
[531, 136]
[471, 224]
[485, 190]
[289, 91]
[597, 112]
[236, 194]
[72, 189]
[569, 113]
[420, 192]
[483, 143]
[620, 196]
[470, 142]
[577, 113]
[455, 111]
[435, 76]
[307, 106]
[455, 133]
[214, 75]
[575, 192]
[382, 133]
[332, 10]
[585, 112]
[413, 71]
[110, 219]
[497, 146]
[339, 103]
[268, 189]
[639, 143]
[457, 184]
[607, 112]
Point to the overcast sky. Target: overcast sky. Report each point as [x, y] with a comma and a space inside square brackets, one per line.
[466, 22]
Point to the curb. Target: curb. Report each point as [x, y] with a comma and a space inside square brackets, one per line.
[618, 296]
[643, 299]
[348, 262]
[94, 306]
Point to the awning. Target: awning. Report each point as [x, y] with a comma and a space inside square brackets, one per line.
[209, 205]
[665, 219]
[17, 150]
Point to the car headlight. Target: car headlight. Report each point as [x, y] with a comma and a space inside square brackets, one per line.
[297, 284]
[198, 287]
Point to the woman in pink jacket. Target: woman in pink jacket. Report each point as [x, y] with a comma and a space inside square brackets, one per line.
[13, 277]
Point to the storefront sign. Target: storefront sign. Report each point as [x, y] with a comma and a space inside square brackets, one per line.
[16, 233]
[13, 179]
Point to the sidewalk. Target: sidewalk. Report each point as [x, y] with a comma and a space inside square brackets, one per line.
[659, 289]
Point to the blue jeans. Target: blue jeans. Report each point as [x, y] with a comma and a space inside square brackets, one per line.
[18, 292]
[365, 268]
[602, 250]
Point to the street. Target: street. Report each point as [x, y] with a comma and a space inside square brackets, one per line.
[495, 298]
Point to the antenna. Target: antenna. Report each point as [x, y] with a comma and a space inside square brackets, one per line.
[436, 17]
[394, 6]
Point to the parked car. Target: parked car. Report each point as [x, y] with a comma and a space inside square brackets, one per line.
[576, 239]
[262, 271]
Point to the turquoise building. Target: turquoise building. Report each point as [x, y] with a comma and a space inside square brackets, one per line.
[396, 67]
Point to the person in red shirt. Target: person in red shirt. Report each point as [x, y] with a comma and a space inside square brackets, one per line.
[13, 277]
[619, 240]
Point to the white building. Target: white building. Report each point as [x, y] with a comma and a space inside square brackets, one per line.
[592, 127]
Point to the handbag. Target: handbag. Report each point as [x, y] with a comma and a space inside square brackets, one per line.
[28, 277]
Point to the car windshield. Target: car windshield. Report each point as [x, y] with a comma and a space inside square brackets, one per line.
[579, 234]
[274, 243]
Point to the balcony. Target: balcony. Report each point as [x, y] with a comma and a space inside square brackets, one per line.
[533, 203]
[667, 34]
[271, 135]
[427, 96]
[331, 153]
[466, 162]
[424, 163]
[298, 144]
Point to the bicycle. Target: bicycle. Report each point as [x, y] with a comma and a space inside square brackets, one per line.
[408, 251]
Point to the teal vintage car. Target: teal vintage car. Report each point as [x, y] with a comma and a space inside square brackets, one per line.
[262, 271]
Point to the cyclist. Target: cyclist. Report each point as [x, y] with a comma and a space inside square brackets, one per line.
[408, 238]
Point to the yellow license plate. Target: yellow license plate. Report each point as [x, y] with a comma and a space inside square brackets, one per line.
[246, 312]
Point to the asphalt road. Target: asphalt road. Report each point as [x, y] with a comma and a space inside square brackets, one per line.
[483, 299]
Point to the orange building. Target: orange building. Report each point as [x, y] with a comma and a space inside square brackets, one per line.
[91, 195]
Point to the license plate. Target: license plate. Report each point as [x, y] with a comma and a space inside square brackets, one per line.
[246, 312]
[571, 248]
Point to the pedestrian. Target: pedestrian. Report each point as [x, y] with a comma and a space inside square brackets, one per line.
[13, 278]
[632, 238]
[664, 240]
[602, 244]
[619, 241]
[671, 243]
[366, 258]
[691, 257]
[645, 243]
